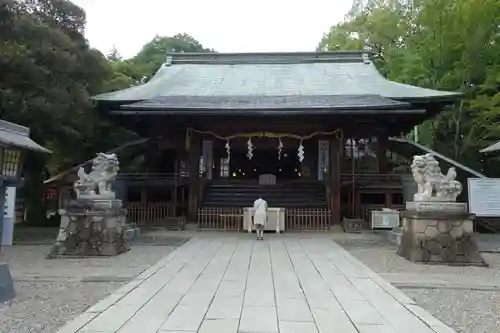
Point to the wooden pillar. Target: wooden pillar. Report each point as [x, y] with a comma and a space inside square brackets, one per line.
[144, 197]
[217, 158]
[194, 170]
[357, 206]
[388, 200]
[382, 167]
[334, 174]
[176, 185]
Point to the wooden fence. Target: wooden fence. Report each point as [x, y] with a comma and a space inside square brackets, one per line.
[314, 219]
[231, 219]
[217, 218]
[152, 214]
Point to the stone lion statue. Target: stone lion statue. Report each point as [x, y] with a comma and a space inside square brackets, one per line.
[97, 183]
[432, 184]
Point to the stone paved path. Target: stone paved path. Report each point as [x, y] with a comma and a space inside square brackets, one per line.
[234, 284]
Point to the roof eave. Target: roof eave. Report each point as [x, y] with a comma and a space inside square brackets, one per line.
[267, 112]
[491, 149]
[15, 135]
[268, 103]
[328, 108]
[448, 97]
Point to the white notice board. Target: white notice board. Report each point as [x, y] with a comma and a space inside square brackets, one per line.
[9, 207]
[484, 196]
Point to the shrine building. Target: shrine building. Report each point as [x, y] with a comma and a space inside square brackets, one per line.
[316, 133]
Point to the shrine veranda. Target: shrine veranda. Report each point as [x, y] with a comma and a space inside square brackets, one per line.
[320, 126]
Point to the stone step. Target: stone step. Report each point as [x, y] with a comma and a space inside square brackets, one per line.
[306, 194]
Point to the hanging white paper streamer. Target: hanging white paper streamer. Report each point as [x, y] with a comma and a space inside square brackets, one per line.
[250, 148]
[300, 152]
[228, 150]
[280, 148]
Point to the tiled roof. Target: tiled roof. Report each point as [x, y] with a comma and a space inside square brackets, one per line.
[271, 74]
[18, 136]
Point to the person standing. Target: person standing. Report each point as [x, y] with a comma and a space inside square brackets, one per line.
[260, 217]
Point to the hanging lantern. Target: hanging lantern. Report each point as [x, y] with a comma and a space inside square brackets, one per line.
[280, 148]
[250, 148]
[300, 152]
[228, 150]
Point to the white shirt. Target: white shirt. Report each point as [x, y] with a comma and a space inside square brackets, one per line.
[260, 214]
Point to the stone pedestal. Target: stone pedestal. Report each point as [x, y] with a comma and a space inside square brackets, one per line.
[6, 283]
[438, 233]
[90, 228]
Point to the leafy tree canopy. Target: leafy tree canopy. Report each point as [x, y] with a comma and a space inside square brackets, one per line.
[48, 71]
[149, 59]
[440, 44]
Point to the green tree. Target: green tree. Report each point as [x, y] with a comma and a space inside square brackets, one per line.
[47, 73]
[143, 66]
[153, 54]
[114, 55]
[440, 44]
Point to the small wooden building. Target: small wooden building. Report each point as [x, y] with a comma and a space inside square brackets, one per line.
[306, 131]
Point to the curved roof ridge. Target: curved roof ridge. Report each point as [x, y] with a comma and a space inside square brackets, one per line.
[266, 57]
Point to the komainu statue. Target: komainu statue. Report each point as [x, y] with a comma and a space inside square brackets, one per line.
[97, 183]
[432, 184]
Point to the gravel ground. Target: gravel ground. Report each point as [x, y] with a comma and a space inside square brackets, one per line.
[467, 311]
[45, 306]
[52, 292]
[465, 298]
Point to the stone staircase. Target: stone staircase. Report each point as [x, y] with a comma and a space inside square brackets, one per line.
[239, 193]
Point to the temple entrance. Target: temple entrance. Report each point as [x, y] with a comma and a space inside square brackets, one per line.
[265, 162]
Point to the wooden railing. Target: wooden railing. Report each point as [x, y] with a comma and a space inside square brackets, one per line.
[216, 218]
[150, 214]
[314, 219]
[367, 178]
[144, 175]
[153, 179]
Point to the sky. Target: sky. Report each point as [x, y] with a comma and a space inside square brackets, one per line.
[224, 25]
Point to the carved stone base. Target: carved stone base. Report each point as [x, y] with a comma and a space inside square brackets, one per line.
[91, 228]
[6, 283]
[439, 233]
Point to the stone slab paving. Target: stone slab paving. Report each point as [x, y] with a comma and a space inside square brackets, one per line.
[234, 284]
